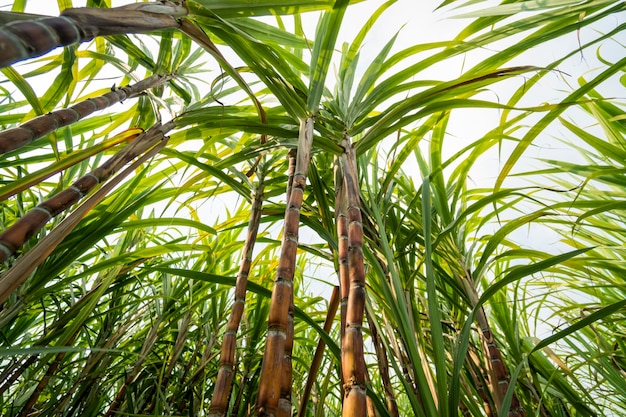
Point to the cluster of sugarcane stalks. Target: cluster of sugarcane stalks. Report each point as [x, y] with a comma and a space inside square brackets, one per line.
[274, 396]
[282, 365]
[20, 40]
[15, 236]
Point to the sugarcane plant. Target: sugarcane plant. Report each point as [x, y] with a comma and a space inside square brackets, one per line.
[309, 233]
[352, 350]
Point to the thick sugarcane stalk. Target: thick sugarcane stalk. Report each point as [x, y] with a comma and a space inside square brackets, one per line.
[498, 373]
[341, 217]
[284, 403]
[38, 127]
[500, 377]
[25, 39]
[271, 369]
[352, 353]
[286, 377]
[223, 383]
[16, 235]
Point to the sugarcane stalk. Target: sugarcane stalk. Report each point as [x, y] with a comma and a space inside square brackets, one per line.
[223, 382]
[500, 377]
[352, 353]
[341, 218]
[284, 403]
[38, 127]
[16, 235]
[478, 375]
[12, 373]
[25, 39]
[383, 367]
[271, 369]
[498, 373]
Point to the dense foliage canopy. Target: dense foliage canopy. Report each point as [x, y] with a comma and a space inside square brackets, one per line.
[289, 208]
